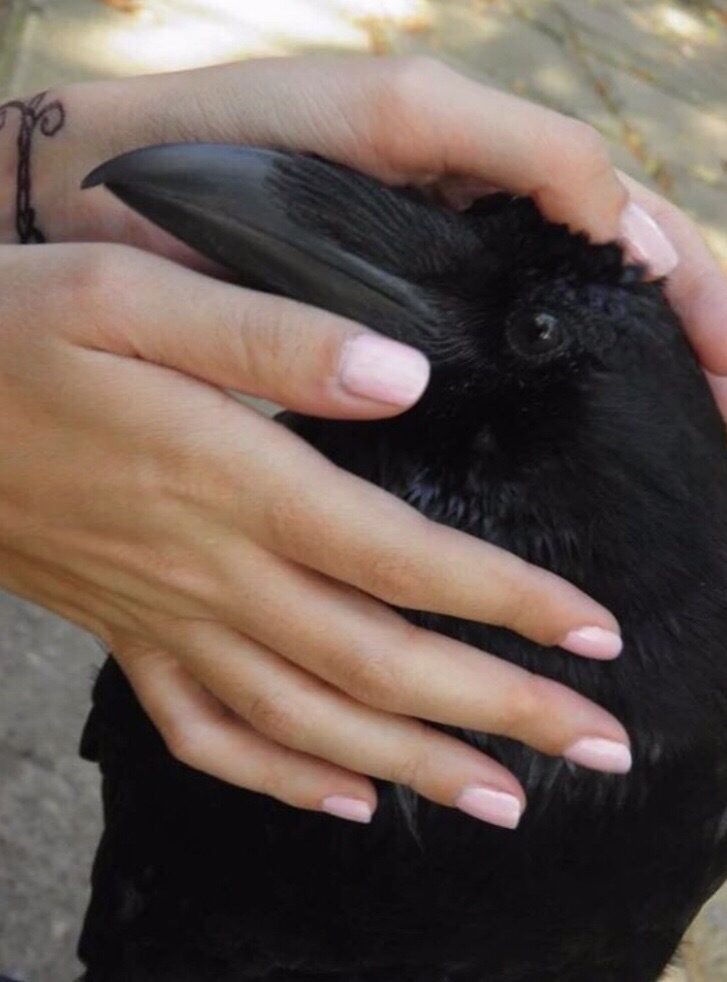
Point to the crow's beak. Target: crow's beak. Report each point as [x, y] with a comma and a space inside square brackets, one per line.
[236, 206]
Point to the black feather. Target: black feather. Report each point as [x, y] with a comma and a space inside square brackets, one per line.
[568, 421]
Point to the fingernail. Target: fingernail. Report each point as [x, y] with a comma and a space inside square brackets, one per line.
[353, 809]
[376, 368]
[600, 755]
[495, 807]
[593, 642]
[646, 242]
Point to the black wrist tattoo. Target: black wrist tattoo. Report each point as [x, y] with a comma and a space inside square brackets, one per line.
[33, 115]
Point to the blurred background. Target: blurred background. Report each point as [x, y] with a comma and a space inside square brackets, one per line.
[652, 76]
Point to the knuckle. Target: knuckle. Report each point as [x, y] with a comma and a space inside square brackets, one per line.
[287, 520]
[370, 677]
[186, 741]
[394, 578]
[522, 707]
[272, 714]
[99, 280]
[96, 270]
[523, 600]
[282, 349]
[401, 99]
[276, 782]
[517, 599]
[589, 149]
[409, 769]
[257, 341]
[293, 785]
[184, 576]
[409, 74]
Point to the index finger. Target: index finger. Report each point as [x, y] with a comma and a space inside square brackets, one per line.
[400, 119]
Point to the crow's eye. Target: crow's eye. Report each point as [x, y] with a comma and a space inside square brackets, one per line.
[535, 334]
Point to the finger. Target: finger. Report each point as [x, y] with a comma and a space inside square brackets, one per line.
[262, 483]
[439, 121]
[379, 659]
[366, 537]
[697, 288]
[294, 710]
[402, 120]
[300, 357]
[202, 734]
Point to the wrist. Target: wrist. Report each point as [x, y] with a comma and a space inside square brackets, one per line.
[22, 122]
[39, 137]
[93, 122]
[48, 142]
[93, 114]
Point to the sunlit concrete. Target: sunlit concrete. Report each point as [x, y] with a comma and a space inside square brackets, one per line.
[83, 38]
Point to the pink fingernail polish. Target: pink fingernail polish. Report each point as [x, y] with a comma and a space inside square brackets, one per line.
[600, 754]
[376, 368]
[593, 642]
[352, 809]
[645, 241]
[495, 807]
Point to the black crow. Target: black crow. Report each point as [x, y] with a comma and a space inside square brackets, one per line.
[567, 420]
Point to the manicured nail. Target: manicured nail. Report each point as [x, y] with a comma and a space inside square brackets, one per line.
[593, 642]
[353, 809]
[600, 755]
[495, 807]
[376, 368]
[646, 242]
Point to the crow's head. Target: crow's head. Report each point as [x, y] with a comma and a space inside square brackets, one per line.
[532, 331]
[565, 400]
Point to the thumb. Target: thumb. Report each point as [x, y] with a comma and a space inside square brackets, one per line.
[293, 354]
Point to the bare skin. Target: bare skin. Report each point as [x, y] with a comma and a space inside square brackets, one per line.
[189, 532]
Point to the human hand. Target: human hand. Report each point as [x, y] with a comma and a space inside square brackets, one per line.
[403, 120]
[240, 578]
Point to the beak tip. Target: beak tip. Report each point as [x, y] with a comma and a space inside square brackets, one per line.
[94, 179]
[126, 168]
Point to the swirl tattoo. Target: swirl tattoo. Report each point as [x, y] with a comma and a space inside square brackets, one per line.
[49, 118]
